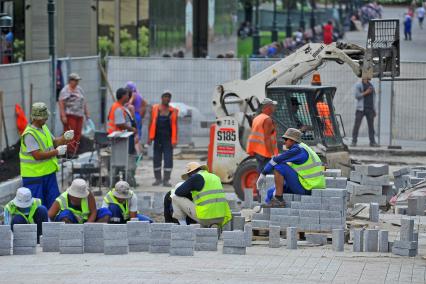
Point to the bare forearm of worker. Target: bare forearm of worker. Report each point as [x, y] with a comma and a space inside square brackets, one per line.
[124, 126]
[40, 155]
[133, 214]
[61, 108]
[86, 111]
[59, 141]
[143, 108]
[269, 129]
[92, 208]
[53, 211]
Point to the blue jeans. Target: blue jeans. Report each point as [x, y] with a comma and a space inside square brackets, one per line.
[138, 119]
[117, 215]
[40, 216]
[44, 187]
[67, 214]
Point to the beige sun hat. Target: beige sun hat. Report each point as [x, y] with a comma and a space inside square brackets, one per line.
[193, 166]
[293, 134]
[23, 198]
[122, 190]
[78, 188]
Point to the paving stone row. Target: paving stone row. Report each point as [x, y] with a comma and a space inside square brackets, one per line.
[206, 239]
[71, 239]
[50, 239]
[138, 233]
[182, 240]
[115, 239]
[5, 240]
[234, 242]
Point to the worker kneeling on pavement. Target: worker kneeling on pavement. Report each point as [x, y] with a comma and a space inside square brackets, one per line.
[297, 170]
[78, 205]
[24, 209]
[201, 197]
[123, 204]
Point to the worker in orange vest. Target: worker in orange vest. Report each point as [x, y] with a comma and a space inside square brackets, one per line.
[163, 131]
[324, 115]
[262, 142]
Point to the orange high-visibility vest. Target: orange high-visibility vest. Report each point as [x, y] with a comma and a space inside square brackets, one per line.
[256, 140]
[111, 117]
[173, 121]
[324, 113]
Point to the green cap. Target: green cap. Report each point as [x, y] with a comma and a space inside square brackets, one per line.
[39, 111]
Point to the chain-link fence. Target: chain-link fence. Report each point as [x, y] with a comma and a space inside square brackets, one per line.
[29, 81]
[191, 81]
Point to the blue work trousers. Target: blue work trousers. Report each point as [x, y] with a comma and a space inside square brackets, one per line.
[67, 214]
[44, 187]
[117, 216]
[40, 216]
[163, 149]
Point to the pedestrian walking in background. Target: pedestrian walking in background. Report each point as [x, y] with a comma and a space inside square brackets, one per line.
[37, 156]
[73, 109]
[163, 131]
[327, 31]
[139, 105]
[421, 15]
[365, 96]
[407, 26]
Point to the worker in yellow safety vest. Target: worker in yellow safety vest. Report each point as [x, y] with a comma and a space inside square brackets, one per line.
[123, 204]
[201, 197]
[37, 155]
[297, 170]
[77, 205]
[24, 209]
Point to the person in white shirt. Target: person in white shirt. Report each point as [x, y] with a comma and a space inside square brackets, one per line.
[421, 15]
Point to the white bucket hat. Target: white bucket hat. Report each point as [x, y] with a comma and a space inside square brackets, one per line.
[191, 167]
[122, 190]
[78, 188]
[23, 198]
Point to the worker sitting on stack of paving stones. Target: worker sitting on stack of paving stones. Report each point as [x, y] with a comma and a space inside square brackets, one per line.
[200, 197]
[297, 170]
[123, 204]
[24, 209]
[77, 205]
[37, 156]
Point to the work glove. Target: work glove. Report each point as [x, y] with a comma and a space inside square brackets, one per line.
[69, 135]
[61, 150]
[261, 181]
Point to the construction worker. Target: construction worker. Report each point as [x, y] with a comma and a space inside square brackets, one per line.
[168, 207]
[297, 170]
[324, 116]
[123, 204]
[24, 209]
[262, 142]
[163, 131]
[77, 205]
[201, 197]
[37, 156]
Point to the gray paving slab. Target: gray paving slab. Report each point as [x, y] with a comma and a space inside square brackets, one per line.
[24, 250]
[116, 250]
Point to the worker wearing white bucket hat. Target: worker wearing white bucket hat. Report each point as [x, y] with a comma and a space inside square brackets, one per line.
[24, 209]
[77, 205]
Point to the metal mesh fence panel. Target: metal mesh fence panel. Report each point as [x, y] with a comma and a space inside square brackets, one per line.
[191, 81]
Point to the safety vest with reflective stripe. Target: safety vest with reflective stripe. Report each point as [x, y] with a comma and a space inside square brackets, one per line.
[82, 215]
[110, 199]
[14, 210]
[311, 172]
[111, 117]
[210, 202]
[256, 140]
[324, 114]
[173, 121]
[31, 167]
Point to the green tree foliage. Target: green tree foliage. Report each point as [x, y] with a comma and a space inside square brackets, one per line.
[128, 45]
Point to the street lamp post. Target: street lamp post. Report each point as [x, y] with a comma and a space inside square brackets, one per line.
[313, 18]
[256, 36]
[288, 25]
[274, 32]
[302, 15]
[51, 27]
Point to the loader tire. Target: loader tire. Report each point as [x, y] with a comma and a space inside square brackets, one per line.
[245, 177]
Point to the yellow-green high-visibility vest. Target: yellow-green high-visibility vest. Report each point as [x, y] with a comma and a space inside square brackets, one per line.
[311, 172]
[82, 215]
[31, 167]
[210, 202]
[14, 210]
[110, 199]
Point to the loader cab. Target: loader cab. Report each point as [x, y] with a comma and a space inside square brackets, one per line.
[310, 109]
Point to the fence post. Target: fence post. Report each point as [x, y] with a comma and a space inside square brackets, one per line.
[21, 75]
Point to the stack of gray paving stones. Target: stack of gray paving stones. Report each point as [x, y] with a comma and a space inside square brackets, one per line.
[316, 239]
[374, 212]
[234, 242]
[248, 198]
[116, 241]
[248, 233]
[24, 239]
[5, 240]
[158, 203]
[371, 238]
[50, 239]
[291, 238]
[368, 183]
[182, 240]
[238, 223]
[206, 239]
[383, 241]
[138, 234]
[274, 236]
[358, 239]
[71, 239]
[407, 245]
[93, 237]
[338, 239]
[261, 220]
[160, 236]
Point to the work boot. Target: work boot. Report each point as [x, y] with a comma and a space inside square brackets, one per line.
[353, 144]
[166, 180]
[374, 144]
[275, 203]
[157, 182]
[157, 175]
